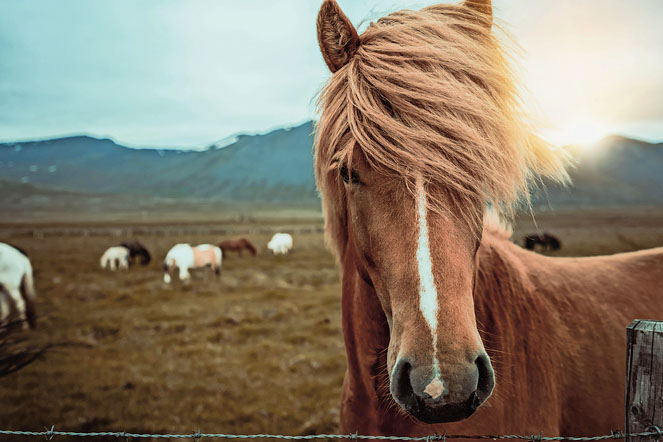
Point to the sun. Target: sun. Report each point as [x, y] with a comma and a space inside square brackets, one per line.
[583, 131]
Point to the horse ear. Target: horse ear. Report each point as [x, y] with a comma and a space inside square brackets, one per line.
[337, 37]
[483, 7]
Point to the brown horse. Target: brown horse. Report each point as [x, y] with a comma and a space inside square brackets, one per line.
[237, 245]
[443, 317]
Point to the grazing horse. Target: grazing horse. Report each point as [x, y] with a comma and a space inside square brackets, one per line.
[237, 245]
[280, 244]
[444, 318]
[136, 249]
[546, 240]
[185, 257]
[17, 282]
[115, 258]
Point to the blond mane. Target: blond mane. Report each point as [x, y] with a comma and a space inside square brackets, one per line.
[431, 92]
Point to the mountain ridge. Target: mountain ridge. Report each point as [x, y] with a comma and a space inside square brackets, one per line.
[271, 167]
[277, 166]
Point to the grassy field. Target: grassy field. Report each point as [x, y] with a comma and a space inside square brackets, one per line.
[259, 350]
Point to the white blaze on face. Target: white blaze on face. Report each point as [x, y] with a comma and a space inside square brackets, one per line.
[427, 292]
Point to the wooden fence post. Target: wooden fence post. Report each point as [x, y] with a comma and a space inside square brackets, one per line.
[644, 377]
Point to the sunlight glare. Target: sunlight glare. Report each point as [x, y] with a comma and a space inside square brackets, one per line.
[582, 131]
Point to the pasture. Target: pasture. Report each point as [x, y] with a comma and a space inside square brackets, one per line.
[259, 350]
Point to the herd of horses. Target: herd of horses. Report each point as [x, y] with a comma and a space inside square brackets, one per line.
[183, 257]
[17, 292]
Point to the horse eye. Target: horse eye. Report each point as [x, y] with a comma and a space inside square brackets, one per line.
[347, 176]
[344, 174]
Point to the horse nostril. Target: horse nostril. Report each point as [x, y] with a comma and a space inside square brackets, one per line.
[486, 380]
[401, 384]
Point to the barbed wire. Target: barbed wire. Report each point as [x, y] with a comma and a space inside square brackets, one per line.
[653, 432]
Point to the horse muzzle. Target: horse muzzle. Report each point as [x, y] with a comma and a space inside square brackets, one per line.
[434, 399]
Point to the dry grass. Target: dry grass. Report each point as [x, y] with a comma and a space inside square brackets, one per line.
[260, 350]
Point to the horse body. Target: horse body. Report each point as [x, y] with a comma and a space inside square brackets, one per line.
[280, 244]
[17, 281]
[115, 258]
[237, 245]
[546, 323]
[185, 257]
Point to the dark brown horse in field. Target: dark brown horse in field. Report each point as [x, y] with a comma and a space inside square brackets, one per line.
[546, 240]
[237, 245]
[136, 249]
[444, 318]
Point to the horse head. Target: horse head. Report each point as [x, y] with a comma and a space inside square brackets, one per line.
[417, 133]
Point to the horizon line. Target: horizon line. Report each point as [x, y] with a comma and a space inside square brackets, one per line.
[115, 140]
[208, 145]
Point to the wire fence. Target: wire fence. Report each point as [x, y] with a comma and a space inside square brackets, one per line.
[654, 432]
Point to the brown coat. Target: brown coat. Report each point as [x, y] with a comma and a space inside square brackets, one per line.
[555, 329]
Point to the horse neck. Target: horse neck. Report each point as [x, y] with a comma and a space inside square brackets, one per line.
[508, 302]
[251, 247]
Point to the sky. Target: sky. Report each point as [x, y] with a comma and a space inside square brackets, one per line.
[188, 73]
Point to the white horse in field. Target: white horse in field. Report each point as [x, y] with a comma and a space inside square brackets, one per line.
[16, 280]
[115, 258]
[280, 244]
[185, 257]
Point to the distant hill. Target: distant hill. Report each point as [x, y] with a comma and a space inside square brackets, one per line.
[615, 172]
[278, 167]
